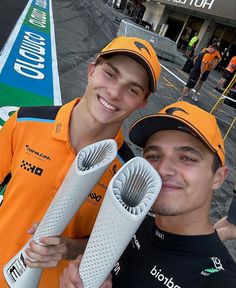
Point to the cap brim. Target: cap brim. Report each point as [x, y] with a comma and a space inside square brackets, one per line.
[141, 130]
[140, 60]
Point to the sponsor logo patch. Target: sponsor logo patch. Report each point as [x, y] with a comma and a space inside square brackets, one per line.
[217, 267]
[33, 152]
[93, 195]
[166, 281]
[17, 268]
[31, 168]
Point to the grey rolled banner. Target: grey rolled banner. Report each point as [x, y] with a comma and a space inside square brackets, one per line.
[130, 195]
[87, 168]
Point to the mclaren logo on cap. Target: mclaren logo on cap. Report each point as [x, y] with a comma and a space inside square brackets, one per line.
[221, 148]
[140, 45]
[172, 110]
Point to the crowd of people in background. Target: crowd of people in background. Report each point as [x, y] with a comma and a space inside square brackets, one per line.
[199, 66]
[220, 60]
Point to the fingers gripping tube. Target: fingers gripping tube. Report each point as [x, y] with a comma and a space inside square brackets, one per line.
[89, 165]
[129, 197]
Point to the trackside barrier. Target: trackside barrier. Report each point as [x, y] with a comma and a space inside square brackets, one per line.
[226, 95]
[163, 46]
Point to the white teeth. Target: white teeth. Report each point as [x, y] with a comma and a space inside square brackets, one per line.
[107, 105]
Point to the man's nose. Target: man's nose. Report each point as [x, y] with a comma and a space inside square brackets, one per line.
[116, 91]
[166, 166]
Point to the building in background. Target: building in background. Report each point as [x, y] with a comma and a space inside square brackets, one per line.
[179, 20]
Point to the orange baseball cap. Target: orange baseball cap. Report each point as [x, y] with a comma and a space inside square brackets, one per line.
[141, 51]
[181, 116]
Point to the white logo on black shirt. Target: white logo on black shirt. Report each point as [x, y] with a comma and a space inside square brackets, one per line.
[168, 282]
[135, 241]
[159, 234]
[217, 263]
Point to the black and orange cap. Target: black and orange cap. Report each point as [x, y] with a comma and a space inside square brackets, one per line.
[141, 51]
[185, 117]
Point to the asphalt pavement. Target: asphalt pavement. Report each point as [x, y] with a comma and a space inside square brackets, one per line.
[10, 11]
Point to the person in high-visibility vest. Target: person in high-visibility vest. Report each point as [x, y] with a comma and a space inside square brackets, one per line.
[227, 75]
[191, 45]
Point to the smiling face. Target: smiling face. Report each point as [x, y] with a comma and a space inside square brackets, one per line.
[185, 166]
[116, 88]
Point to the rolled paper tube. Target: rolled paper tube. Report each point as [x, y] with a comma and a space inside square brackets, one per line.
[129, 197]
[87, 168]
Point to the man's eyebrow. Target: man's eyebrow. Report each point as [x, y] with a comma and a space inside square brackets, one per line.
[117, 71]
[151, 148]
[189, 149]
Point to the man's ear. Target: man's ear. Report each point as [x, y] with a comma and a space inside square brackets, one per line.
[219, 177]
[91, 68]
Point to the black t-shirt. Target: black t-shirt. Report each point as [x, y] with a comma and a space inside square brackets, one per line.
[155, 258]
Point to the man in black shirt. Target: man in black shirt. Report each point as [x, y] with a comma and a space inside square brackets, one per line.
[156, 258]
[178, 247]
[201, 62]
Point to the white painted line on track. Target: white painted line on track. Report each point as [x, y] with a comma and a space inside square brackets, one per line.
[173, 74]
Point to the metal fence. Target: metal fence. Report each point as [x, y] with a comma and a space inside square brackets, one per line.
[164, 47]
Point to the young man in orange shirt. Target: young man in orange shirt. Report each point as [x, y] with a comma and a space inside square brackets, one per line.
[38, 145]
[198, 69]
[214, 59]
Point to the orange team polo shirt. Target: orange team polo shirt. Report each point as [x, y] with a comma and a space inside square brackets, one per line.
[206, 59]
[36, 150]
[231, 65]
[213, 60]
